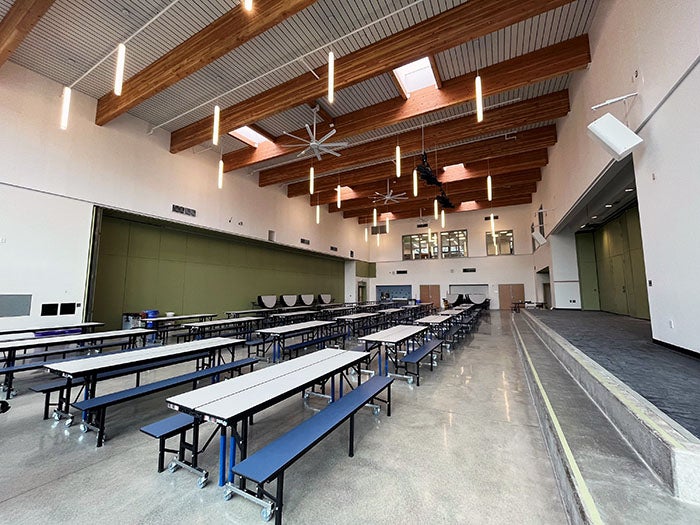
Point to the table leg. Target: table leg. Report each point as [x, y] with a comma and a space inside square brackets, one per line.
[222, 455]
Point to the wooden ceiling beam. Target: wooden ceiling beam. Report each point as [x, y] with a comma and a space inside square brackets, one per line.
[545, 63]
[436, 71]
[439, 33]
[470, 206]
[18, 22]
[537, 138]
[478, 170]
[500, 120]
[222, 36]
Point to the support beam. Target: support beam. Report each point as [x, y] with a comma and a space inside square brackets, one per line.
[18, 22]
[439, 33]
[540, 109]
[545, 63]
[222, 36]
[537, 138]
[436, 72]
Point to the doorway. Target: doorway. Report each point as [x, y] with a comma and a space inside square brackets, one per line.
[361, 291]
[509, 294]
[430, 293]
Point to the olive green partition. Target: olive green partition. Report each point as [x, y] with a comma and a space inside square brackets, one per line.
[162, 267]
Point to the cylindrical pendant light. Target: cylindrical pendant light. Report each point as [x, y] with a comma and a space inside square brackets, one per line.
[220, 182]
[377, 239]
[442, 218]
[435, 208]
[366, 234]
[331, 77]
[318, 214]
[387, 224]
[337, 189]
[489, 188]
[415, 183]
[479, 100]
[311, 180]
[493, 229]
[398, 161]
[374, 217]
[215, 128]
[248, 5]
[65, 107]
[119, 73]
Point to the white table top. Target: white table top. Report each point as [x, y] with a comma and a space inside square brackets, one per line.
[352, 317]
[389, 310]
[175, 318]
[295, 313]
[238, 312]
[465, 307]
[395, 334]
[87, 365]
[408, 306]
[295, 327]
[452, 311]
[74, 338]
[222, 322]
[338, 309]
[90, 324]
[227, 399]
[433, 319]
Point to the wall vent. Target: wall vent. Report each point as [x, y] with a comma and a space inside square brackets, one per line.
[379, 229]
[334, 248]
[352, 256]
[488, 217]
[305, 241]
[422, 225]
[468, 270]
[271, 235]
[185, 211]
[401, 272]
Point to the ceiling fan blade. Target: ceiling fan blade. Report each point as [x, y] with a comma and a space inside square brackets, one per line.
[318, 153]
[295, 137]
[327, 136]
[336, 144]
[326, 150]
[308, 130]
[301, 145]
[304, 152]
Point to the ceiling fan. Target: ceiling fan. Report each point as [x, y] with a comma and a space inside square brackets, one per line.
[389, 196]
[316, 146]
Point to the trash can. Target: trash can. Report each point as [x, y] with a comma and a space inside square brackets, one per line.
[149, 314]
[131, 320]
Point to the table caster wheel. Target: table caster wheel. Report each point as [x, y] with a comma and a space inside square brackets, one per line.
[172, 467]
[56, 415]
[375, 411]
[228, 495]
[266, 514]
[84, 428]
[202, 482]
[409, 381]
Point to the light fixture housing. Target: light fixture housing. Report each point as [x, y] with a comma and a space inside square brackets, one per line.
[220, 182]
[387, 224]
[318, 214]
[435, 208]
[215, 128]
[248, 5]
[374, 217]
[337, 189]
[489, 188]
[119, 73]
[398, 161]
[479, 100]
[331, 77]
[366, 234]
[311, 181]
[442, 218]
[65, 107]
[415, 183]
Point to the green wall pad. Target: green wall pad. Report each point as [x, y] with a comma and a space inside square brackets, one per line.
[159, 267]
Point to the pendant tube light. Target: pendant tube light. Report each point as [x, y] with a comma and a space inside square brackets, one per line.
[387, 224]
[442, 219]
[311, 181]
[489, 188]
[430, 235]
[493, 229]
[337, 189]
[248, 5]
[331, 77]
[366, 234]
[215, 129]
[374, 217]
[377, 239]
[119, 73]
[479, 100]
[398, 161]
[220, 183]
[318, 214]
[415, 183]
[435, 208]
[65, 107]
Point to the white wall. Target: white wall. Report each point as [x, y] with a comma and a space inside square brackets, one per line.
[121, 166]
[645, 47]
[491, 270]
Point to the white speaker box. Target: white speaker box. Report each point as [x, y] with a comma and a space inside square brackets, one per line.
[539, 238]
[615, 137]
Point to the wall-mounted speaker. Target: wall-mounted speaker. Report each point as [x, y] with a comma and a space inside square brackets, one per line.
[538, 238]
[614, 136]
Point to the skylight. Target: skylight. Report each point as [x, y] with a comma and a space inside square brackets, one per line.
[248, 135]
[416, 75]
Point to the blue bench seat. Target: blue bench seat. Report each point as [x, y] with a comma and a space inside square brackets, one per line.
[313, 342]
[270, 462]
[166, 428]
[416, 356]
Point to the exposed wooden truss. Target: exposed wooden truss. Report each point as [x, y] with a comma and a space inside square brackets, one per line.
[18, 22]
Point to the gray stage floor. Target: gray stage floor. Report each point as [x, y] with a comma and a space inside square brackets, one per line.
[668, 379]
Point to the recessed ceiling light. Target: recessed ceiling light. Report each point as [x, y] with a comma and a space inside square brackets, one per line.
[608, 205]
[627, 190]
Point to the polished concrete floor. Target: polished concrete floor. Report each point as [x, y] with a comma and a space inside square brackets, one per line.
[623, 345]
[464, 447]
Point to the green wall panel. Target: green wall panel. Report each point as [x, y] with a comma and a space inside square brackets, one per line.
[588, 271]
[144, 266]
